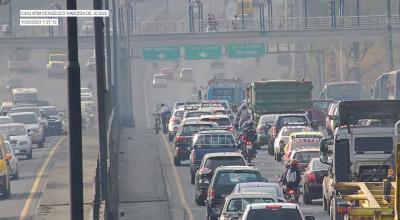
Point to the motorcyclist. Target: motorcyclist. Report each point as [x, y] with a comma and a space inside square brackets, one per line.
[164, 111]
[249, 130]
[291, 176]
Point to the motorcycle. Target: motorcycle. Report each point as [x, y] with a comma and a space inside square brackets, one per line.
[292, 195]
[247, 147]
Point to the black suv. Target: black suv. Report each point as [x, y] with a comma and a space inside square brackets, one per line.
[206, 170]
[184, 136]
[284, 120]
[222, 184]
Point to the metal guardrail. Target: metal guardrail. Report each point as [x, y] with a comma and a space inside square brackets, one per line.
[230, 25]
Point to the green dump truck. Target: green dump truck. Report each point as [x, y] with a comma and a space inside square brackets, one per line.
[279, 96]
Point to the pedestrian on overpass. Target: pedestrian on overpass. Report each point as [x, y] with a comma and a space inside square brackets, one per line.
[235, 22]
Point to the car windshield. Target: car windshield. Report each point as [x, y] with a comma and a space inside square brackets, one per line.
[233, 178]
[317, 165]
[219, 121]
[5, 120]
[288, 131]
[194, 128]
[292, 120]
[305, 142]
[50, 111]
[196, 114]
[24, 109]
[265, 119]
[13, 130]
[187, 71]
[25, 118]
[214, 140]
[25, 97]
[260, 189]
[344, 92]
[306, 156]
[274, 214]
[214, 162]
[239, 204]
[178, 114]
[160, 76]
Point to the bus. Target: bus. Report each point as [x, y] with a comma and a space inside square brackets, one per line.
[231, 90]
[342, 91]
[394, 85]
[18, 60]
[380, 90]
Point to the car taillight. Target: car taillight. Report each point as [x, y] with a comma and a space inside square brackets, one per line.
[231, 129]
[204, 170]
[180, 138]
[346, 210]
[193, 157]
[248, 143]
[291, 191]
[311, 177]
[211, 194]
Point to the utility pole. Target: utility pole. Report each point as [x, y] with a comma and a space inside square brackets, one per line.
[242, 6]
[101, 90]
[10, 17]
[75, 120]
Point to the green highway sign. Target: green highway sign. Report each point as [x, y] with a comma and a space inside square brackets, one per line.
[161, 53]
[203, 52]
[246, 50]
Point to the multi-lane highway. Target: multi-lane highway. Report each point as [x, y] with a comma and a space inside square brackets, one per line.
[150, 185]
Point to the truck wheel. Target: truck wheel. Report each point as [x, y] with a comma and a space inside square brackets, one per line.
[177, 161]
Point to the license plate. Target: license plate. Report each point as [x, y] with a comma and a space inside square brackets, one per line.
[249, 147]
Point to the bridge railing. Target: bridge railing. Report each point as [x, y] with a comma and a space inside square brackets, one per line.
[230, 25]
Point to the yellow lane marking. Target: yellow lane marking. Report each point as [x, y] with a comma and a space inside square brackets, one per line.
[39, 177]
[181, 193]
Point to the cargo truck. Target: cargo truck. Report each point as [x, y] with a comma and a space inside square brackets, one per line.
[279, 96]
[362, 152]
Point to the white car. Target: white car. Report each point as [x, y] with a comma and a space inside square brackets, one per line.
[274, 211]
[32, 125]
[283, 136]
[236, 203]
[159, 81]
[5, 120]
[174, 123]
[20, 140]
[186, 75]
[13, 163]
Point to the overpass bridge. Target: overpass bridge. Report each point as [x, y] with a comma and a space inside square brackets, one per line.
[177, 33]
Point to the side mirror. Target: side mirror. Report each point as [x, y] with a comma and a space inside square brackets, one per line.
[310, 218]
[265, 180]
[251, 165]
[30, 133]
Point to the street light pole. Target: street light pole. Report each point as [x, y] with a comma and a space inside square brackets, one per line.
[75, 120]
[389, 36]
